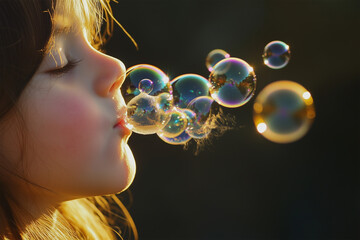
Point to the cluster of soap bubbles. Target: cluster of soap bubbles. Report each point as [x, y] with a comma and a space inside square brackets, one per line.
[178, 110]
[148, 95]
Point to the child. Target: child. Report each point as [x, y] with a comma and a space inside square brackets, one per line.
[62, 135]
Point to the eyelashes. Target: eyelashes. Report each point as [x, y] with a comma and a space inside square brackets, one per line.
[71, 64]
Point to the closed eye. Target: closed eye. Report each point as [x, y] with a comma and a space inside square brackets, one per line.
[59, 71]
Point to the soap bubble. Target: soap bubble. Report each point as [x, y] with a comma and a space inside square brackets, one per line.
[233, 82]
[276, 54]
[147, 93]
[283, 111]
[134, 75]
[165, 101]
[144, 115]
[201, 106]
[190, 116]
[188, 87]
[176, 125]
[146, 86]
[214, 57]
[183, 137]
[178, 140]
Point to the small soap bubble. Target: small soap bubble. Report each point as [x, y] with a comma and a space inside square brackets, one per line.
[201, 106]
[144, 115]
[214, 57]
[188, 87]
[178, 140]
[147, 93]
[276, 54]
[183, 137]
[146, 86]
[283, 111]
[176, 125]
[233, 82]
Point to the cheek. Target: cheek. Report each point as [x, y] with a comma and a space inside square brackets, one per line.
[67, 125]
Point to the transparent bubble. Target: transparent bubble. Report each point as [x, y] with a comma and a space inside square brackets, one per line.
[188, 87]
[178, 140]
[201, 106]
[165, 101]
[233, 82]
[146, 86]
[214, 57]
[283, 111]
[146, 91]
[276, 54]
[183, 137]
[177, 124]
[137, 73]
[144, 115]
[190, 116]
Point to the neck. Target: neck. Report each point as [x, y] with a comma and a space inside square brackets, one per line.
[29, 203]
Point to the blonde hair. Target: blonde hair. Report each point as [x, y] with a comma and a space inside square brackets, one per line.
[91, 14]
[86, 218]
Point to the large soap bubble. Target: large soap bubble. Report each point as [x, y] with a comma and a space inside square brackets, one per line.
[283, 111]
[188, 87]
[201, 106]
[233, 82]
[148, 95]
[144, 114]
[214, 57]
[276, 54]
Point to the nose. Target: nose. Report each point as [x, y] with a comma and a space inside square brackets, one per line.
[110, 76]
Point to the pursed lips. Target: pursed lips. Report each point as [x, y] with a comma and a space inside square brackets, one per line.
[121, 117]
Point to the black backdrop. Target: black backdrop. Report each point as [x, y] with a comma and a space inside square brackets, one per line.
[241, 186]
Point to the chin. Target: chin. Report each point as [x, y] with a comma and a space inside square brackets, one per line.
[131, 166]
[119, 176]
[123, 174]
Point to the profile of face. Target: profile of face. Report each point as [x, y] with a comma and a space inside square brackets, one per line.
[76, 144]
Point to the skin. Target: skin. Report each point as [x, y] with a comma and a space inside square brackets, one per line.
[72, 148]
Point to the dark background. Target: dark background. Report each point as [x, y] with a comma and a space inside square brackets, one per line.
[242, 186]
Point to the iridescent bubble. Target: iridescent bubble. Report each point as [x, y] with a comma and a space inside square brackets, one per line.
[233, 82]
[176, 125]
[188, 87]
[201, 106]
[276, 54]
[137, 73]
[144, 115]
[283, 111]
[165, 101]
[190, 116]
[214, 57]
[146, 86]
[146, 90]
[183, 137]
[178, 140]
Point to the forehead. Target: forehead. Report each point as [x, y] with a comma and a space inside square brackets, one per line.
[62, 26]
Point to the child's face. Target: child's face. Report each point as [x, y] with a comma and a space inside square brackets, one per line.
[72, 146]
